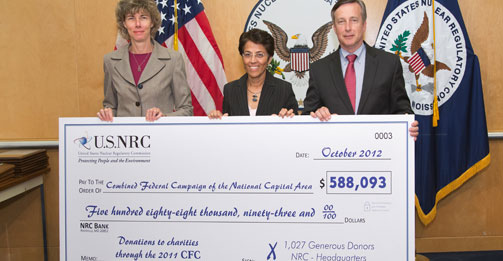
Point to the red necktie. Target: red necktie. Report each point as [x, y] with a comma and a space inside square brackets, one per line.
[350, 79]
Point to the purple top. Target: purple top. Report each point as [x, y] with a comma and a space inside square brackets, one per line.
[138, 63]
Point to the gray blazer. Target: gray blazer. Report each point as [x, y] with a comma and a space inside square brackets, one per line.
[162, 84]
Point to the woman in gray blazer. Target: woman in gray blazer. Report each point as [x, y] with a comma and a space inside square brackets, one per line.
[143, 78]
[257, 92]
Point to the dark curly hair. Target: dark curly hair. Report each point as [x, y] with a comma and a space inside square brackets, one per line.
[259, 37]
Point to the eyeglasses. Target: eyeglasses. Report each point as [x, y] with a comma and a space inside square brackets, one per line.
[248, 55]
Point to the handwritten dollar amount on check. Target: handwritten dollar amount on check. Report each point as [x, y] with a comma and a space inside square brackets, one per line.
[357, 182]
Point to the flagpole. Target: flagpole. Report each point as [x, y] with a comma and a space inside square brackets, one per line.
[175, 41]
[436, 115]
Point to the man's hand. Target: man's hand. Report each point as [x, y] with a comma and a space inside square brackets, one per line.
[414, 129]
[322, 113]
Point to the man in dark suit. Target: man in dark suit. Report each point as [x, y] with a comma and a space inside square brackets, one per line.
[357, 78]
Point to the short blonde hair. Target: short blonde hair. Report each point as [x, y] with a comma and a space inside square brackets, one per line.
[126, 7]
[343, 2]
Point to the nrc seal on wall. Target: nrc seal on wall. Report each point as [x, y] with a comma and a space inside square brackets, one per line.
[303, 34]
[408, 32]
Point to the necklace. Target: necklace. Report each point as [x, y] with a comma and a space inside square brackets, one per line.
[254, 95]
[140, 64]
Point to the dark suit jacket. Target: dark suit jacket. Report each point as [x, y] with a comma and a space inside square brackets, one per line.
[383, 89]
[276, 94]
[162, 84]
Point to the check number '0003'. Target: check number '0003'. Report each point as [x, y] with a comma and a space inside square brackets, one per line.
[358, 182]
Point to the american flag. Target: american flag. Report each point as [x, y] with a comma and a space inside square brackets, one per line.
[203, 60]
[418, 61]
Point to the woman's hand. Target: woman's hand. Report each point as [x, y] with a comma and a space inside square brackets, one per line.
[153, 114]
[285, 113]
[216, 114]
[106, 114]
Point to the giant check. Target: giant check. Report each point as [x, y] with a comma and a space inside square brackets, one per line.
[240, 188]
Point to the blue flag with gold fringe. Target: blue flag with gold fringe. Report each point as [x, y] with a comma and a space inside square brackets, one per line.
[442, 78]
